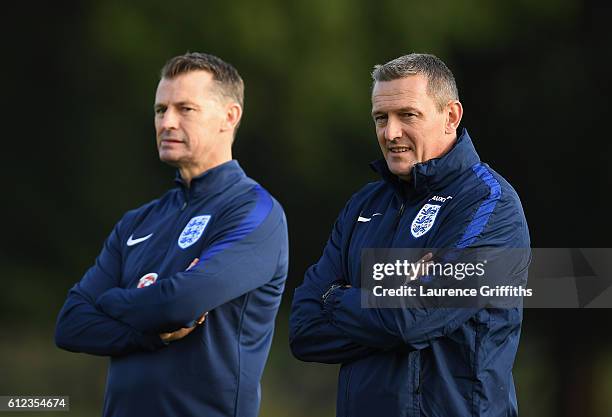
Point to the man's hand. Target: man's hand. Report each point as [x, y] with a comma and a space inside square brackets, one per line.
[180, 333]
[424, 263]
[193, 263]
[176, 335]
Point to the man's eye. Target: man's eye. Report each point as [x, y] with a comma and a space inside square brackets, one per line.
[160, 110]
[380, 119]
[187, 109]
[408, 115]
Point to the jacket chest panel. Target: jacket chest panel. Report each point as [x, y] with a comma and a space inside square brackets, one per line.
[176, 239]
[386, 224]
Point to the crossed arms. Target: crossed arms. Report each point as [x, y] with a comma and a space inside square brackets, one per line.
[101, 318]
[335, 328]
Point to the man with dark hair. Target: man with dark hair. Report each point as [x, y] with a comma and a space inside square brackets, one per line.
[184, 294]
[434, 193]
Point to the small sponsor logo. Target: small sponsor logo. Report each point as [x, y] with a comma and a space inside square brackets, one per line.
[131, 241]
[367, 219]
[440, 199]
[147, 280]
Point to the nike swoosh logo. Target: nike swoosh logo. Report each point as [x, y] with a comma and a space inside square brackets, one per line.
[367, 219]
[132, 242]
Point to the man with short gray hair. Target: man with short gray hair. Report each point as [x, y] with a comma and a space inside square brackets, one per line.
[434, 192]
[441, 84]
[184, 294]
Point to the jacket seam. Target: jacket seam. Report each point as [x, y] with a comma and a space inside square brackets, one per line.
[476, 226]
[240, 328]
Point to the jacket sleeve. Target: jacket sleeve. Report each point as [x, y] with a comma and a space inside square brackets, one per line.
[81, 327]
[312, 336]
[249, 248]
[494, 223]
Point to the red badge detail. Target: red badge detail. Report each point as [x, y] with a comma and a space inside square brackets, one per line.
[147, 280]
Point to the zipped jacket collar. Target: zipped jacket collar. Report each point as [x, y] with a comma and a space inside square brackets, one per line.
[435, 173]
[213, 180]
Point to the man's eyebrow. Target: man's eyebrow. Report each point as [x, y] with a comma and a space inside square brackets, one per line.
[408, 108]
[186, 103]
[180, 103]
[400, 110]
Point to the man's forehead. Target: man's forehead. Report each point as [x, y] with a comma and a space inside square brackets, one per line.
[403, 92]
[396, 100]
[187, 86]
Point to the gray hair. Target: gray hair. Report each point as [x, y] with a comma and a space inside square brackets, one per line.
[440, 80]
[224, 74]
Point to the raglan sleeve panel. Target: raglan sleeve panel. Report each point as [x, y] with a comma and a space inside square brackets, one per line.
[311, 336]
[82, 327]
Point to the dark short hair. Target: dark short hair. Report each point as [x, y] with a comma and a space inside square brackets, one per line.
[441, 84]
[228, 81]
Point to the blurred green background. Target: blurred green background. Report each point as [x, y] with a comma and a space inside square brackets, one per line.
[78, 147]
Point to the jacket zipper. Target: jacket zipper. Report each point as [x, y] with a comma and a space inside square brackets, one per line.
[179, 220]
[420, 383]
[399, 216]
[419, 374]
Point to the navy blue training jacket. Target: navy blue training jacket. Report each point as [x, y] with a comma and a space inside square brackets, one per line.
[434, 362]
[139, 287]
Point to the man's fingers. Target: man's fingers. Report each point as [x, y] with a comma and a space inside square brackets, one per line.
[427, 257]
[201, 319]
[176, 335]
[426, 260]
[193, 263]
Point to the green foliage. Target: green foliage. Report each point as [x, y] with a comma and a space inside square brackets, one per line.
[307, 135]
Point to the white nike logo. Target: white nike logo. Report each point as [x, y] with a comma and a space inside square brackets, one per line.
[132, 242]
[367, 219]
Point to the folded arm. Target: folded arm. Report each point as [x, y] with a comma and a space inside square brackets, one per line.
[81, 327]
[312, 336]
[243, 256]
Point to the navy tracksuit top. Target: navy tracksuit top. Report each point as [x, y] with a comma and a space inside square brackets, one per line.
[434, 362]
[139, 287]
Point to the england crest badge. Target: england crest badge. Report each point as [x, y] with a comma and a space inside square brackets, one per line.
[424, 220]
[193, 231]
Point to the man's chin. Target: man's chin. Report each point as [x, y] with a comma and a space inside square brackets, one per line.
[403, 170]
[172, 160]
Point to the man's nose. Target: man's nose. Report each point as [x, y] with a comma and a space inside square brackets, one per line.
[168, 120]
[393, 130]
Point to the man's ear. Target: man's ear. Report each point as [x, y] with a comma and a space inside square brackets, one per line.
[233, 113]
[454, 113]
